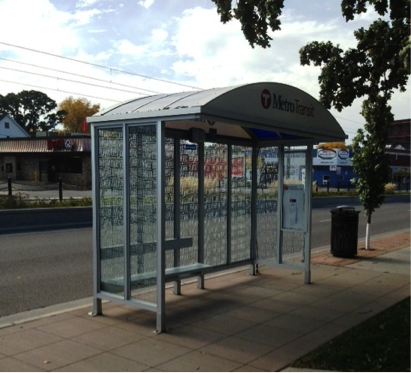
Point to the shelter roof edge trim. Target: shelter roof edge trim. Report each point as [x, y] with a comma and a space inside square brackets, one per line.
[276, 107]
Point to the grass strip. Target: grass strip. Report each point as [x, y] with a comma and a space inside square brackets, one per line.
[380, 344]
[21, 201]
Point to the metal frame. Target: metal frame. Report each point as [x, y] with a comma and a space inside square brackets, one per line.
[159, 307]
[97, 306]
[308, 207]
[305, 265]
[161, 231]
[196, 116]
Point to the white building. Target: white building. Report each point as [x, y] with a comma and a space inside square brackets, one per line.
[9, 128]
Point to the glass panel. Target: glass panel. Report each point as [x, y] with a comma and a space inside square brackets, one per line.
[187, 221]
[169, 188]
[294, 167]
[293, 203]
[110, 179]
[241, 182]
[293, 244]
[169, 197]
[215, 204]
[267, 194]
[143, 211]
[189, 201]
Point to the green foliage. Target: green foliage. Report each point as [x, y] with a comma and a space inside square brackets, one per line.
[405, 54]
[21, 201]
[396, 8]
[374, 66]
[33, 110]
[370, 160]
[341, 193]
[372, 70]
[378, 65]
[255, 16]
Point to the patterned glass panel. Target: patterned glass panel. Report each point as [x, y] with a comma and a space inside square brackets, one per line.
[110, 177]
[293, 244]
[169, 188]
[143, 211]
[267, 193]
[215, 204]
[169, 198]
[241, 182]
[189, 201]
[182, 223]
[294, 175]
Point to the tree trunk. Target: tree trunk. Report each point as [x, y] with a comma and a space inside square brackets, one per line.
[368, 231]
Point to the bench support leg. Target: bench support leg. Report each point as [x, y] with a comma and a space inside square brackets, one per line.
[177, 287]
[253, 269]
[200, 282]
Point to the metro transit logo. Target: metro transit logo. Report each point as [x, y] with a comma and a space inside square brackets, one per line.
[278, 102]
[265, 98]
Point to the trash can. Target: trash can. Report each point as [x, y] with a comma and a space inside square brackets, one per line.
[344, 231]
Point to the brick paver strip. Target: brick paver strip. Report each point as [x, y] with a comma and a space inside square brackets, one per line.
[379, 246]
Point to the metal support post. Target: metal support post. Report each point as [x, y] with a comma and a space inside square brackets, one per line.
[161, 263]
[60, 189]
[9, 185]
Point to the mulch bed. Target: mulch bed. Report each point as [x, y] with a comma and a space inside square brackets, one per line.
[379, 246]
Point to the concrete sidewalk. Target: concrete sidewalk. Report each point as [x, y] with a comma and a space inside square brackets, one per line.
[239, 323]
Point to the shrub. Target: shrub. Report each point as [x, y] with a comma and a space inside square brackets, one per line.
[13, 202]
[190, 184]
[21, 201]
[390, 188]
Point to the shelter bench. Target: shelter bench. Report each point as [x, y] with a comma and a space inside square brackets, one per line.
[173, 274]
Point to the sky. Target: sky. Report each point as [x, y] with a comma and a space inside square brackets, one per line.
[110, 51]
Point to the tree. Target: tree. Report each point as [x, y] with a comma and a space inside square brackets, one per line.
[405, 54]
[255, 16]
[372, 70]
[378, 65]
[33, 110]
[370, 160]
[77, 110]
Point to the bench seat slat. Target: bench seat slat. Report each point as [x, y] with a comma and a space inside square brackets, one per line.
[170, 275]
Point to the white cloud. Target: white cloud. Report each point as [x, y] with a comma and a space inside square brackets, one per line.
[159, 35]
[146, 3]
[211, 54]
[126, 47]
[81, 18]
[85, 3]
[45, 28]
[169, 42]
[224, 57]
[154, 46]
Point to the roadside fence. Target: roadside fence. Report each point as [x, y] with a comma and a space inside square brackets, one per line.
[39, 189]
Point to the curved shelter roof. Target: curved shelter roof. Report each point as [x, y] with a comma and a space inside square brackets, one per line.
[263, 112]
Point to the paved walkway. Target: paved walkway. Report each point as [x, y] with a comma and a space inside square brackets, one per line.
[239, 323]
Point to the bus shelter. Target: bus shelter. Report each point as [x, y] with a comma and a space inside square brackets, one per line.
[192, 183]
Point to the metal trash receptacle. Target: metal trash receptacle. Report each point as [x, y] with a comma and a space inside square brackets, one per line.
[344, 231]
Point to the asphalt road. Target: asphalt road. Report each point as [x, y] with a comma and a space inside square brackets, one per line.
[45, 268]
[49, 268]
[390, 217]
